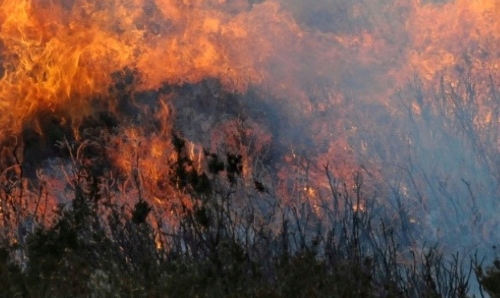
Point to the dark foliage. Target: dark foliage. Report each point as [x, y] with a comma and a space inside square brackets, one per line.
[219, 249]
[140, 212]
[489, 278]
[234, 166]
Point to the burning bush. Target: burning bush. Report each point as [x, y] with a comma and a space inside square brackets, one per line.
[219, 246]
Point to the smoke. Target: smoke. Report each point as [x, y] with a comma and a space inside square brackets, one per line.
[405, 92]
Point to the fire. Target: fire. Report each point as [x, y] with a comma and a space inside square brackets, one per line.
[52, 65]
[290, 86]
[442, 34]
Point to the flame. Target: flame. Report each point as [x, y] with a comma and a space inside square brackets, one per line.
[442, 34]
[49, 63]
[72, 59]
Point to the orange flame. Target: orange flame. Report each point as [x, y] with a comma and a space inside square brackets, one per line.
[58, 57]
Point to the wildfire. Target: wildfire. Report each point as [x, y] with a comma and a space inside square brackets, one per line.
[289, 86]
[461, 27]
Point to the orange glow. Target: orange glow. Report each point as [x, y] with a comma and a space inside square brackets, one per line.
[59, 58]
[442, 34]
